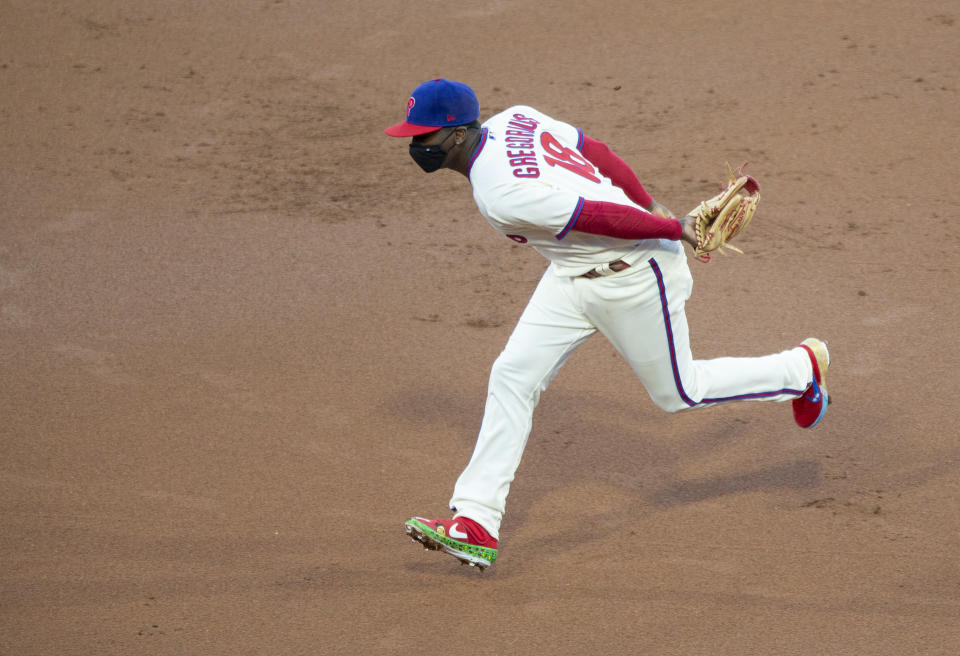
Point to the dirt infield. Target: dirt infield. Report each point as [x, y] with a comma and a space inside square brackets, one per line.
[243, 337]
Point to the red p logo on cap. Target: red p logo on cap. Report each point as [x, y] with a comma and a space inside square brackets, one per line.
[410, 104]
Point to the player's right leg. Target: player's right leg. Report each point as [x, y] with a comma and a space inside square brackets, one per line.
[549, 330]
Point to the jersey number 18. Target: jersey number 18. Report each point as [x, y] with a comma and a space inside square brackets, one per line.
[567, 158]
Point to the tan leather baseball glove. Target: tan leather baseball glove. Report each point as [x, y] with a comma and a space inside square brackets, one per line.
[723, 217]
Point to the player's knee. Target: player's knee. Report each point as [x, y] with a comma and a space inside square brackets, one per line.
[506, 370]
[670, 401]
[515, 371]
[667, 391]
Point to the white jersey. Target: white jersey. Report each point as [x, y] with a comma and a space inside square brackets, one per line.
[530, 181]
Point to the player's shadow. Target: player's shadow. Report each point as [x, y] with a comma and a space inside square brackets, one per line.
[797, 475]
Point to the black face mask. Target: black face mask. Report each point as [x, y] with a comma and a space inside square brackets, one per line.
[429, 158]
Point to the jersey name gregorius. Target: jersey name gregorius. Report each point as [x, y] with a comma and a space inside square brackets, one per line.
[530, 180]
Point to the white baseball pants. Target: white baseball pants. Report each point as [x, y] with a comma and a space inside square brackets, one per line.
[640, 310]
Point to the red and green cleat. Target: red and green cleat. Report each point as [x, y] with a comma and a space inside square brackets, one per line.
[461, 537]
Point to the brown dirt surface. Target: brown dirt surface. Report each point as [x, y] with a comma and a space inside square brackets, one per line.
[243, 337]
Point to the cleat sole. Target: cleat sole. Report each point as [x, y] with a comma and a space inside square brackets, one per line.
[431, 544]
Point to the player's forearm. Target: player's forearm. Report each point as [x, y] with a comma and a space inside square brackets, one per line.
[616, 169]
[624, 222]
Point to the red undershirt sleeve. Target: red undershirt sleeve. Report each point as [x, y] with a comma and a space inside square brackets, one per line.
[623, 221]
[616, 169]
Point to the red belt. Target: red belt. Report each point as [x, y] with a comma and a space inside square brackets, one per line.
[619, 265]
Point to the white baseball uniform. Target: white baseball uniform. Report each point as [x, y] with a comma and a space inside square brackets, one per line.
[530, 181]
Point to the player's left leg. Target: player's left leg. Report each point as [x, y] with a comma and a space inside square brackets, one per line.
[679, 382]
[644, 318]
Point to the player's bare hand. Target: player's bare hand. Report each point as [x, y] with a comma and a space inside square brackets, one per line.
[689, 230]
[660, 210]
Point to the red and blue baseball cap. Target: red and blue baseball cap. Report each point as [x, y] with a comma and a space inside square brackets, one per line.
[437, 104]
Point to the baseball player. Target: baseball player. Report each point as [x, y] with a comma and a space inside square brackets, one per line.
[616, 266]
